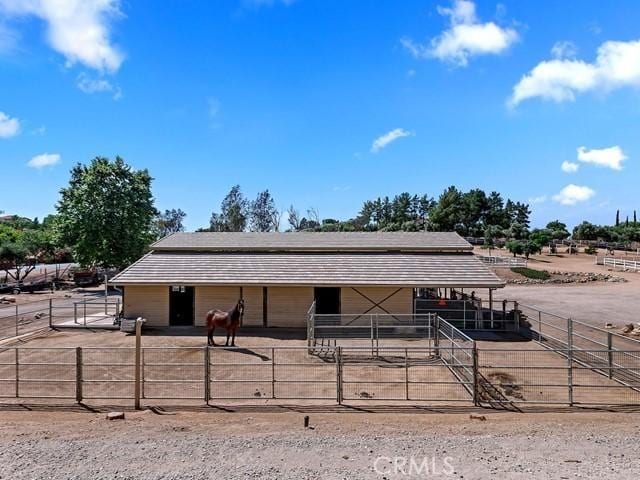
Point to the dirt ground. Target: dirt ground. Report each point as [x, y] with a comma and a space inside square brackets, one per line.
[380, 444]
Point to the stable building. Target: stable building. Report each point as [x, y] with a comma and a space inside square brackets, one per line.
[280, 275]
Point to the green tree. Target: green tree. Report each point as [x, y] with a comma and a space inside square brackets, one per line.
[170, 221]
[106, 213]
[234, 210]
[263, 215]
[515, 246]
[446, 215]
[558, 230]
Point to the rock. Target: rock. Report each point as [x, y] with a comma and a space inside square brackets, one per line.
[628, 328]
[115, 416]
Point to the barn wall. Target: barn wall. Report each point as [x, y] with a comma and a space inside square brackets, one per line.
[352, 303]
[288, 306]
[148, 302]
[252, 306]
[211, 298]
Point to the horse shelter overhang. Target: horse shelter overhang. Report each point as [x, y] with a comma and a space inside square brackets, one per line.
[238, 268]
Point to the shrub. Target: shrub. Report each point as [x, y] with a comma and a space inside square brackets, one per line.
[591, 250]
[532, 273]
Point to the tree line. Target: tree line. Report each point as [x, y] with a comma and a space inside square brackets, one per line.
[106, 216]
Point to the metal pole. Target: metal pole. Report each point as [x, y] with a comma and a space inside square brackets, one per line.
[339, 375]
[142, 373]
[491, 305]
[436, 336]
[273, 373]
[75, 312]
[406, 374]
[106, 294]
[50, 313]
[78, 374]
[371, 321]
[539, 326]
[476, 393]
[207, 366]
[137, 364]
[610, 353]
[17, 320]
[570, 360]
[17, 373]
[84, 309]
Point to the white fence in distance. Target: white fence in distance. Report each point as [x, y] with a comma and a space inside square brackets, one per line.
[621, 263]
[506, 262]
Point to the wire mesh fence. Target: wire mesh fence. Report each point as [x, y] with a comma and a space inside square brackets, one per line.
[452, 371]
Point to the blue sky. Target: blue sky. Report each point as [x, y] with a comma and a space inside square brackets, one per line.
[326, 102]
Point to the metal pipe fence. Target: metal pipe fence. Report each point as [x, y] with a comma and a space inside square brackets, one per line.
[452, 371]
[23, 318]
[505, 262]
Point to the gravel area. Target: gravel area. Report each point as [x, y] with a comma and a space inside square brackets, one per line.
[350, 446]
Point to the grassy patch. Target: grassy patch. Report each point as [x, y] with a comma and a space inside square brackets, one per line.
[532, 273]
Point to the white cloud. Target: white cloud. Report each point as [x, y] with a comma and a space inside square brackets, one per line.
[465, 38]
[564, 50]
[611, 157]
[573, 194]
[539, 199]
[617, 65]
[9, 127]
[569, 167]
[44, 160]
[78, 29]
[91, 85]
[383, 140]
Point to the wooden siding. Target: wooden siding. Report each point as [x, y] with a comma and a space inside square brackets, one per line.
[210, 298]
[288, 306]
[252, 306]
[352, 303]
[150, 303]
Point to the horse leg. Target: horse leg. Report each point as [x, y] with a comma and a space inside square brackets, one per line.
[210, 340]
[227, 344]
[233, 337]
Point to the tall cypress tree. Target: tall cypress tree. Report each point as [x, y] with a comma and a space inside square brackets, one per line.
[617, 217]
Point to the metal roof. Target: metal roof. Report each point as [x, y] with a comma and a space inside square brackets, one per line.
[309, 269]
[314, 241]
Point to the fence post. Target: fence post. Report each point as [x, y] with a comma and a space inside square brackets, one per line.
[273, 373]
[610, 353]
[516, 316]
[75, 312]
[50, 313]
[137, 364]
[17, 373]
[17, 320]
[406, 374]
[476, 393]
[207, 384]
[78, 374]
[339, 397]
[570, 360]
[84, 305]
[436, 336]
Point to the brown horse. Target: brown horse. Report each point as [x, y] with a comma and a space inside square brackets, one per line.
[229, 320]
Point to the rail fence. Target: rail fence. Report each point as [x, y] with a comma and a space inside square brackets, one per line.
[621, 263]
[452, 372]
[23, 318]
[504, 262]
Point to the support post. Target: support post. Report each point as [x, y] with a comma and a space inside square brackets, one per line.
[17, 330]
[75, 312]
[106, 294]
[491, 305]
[50, 313]
[516, 316]
[139, 323]
[610, 353]
[406, 374]
[78, 374]
[84, 312]
[339, 397]
[436, 335]
[273, 373]
[207, 373]
[476, 385]
[570, 360]
[17, 373]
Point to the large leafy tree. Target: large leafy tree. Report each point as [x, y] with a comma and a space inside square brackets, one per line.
[106, 214]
